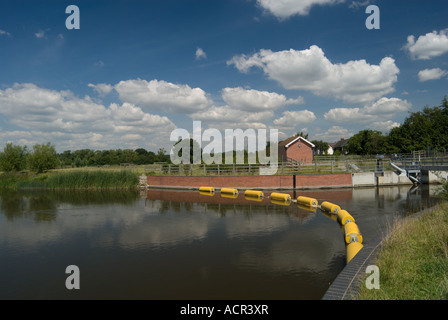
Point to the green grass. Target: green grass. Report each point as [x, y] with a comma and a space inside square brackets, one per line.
[413, 260]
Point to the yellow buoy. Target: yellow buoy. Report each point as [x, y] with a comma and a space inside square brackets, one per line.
[329, 216]
[281, 202]
[280, 197]
[307, 208]
[230, 196]
[344, 217]
[253, 199]
[229, 191]
[206, 193]
[254, 194]
[352, 250]
[210, 190]
[330, 207]
[352, 233]
[306, 201]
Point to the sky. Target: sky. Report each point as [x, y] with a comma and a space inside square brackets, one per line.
[134, 71]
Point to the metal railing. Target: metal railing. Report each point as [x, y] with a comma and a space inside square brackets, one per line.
[283, 168]
[417, 163]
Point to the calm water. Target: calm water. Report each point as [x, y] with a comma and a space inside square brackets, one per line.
[183, 245]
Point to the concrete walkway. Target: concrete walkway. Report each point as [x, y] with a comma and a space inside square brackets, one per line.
[344, 287]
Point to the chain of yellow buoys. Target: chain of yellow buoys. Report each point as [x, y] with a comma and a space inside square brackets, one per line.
[352, 235]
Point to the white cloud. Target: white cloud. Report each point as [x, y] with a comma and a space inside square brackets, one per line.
[200, 54]
[283, 9]
[431, 74]
[5, 33]
[353, 82]
[333, 134]
[254, 100]
[358, 4]
[102, 89]
[130, 118]
[382, 109]
[71, 122]
[246, 108]
[98, 63]
[387, 107]
[224, 117]
[40, 34]
[290, 119]
[162, 95]
[428, 46]
[384, 126]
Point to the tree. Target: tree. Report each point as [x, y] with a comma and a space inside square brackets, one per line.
[422, 130]
[83, 157]
[367, 142]
[161, 156]
[144, 157]
[43, 158]
[301, 134]
[128, 156]
[66, 158]
[321, 147]
[13, 158]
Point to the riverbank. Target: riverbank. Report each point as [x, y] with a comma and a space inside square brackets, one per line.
[71, 179]
[413, 259]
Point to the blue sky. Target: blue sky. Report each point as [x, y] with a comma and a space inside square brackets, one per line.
[137, 70]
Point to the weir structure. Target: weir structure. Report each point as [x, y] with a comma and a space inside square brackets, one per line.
[418, 169]
[320, 174]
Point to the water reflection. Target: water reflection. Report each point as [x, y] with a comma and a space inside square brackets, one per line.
[38, 205]
[181, 244]
[44, 204]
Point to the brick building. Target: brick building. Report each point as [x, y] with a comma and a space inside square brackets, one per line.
[296, 150]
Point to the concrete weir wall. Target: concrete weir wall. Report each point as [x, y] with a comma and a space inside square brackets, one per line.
[310, 181]
[434, 176]
[386, 178]
[250, 182]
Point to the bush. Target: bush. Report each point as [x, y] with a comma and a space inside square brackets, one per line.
[13, 158]
[43, 158]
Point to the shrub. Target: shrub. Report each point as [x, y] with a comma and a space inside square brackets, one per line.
[13, 158]
[43, 158]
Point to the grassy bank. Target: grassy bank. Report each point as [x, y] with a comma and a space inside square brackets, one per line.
[72, 179]
[413, 260]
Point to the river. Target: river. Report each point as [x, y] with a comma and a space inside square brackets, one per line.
[166, 244]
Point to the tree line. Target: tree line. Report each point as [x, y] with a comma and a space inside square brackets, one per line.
[44, 157]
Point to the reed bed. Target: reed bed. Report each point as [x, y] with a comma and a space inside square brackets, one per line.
[72, 179]
[93, 179]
